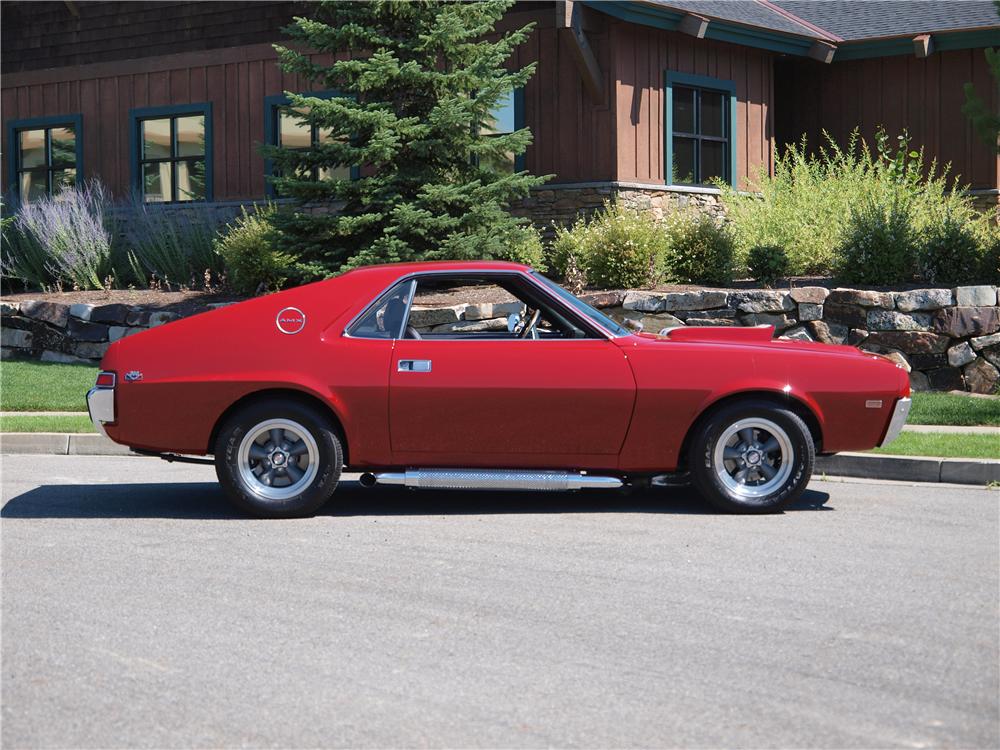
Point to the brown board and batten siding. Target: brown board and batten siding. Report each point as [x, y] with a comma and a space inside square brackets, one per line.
[924, 96]
[642, 57]
[235, 80]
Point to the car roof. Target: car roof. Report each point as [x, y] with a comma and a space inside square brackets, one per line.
[441, 265]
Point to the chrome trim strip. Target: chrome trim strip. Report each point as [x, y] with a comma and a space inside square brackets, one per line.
[899, 414]
[496, 479]
[483, 272]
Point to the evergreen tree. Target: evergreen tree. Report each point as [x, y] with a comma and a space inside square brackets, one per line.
[414, 99]
[985, 121]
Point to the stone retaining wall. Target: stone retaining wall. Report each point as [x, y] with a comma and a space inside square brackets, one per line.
[946, 338]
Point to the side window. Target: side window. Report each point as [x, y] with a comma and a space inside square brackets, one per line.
[490, 307]
[172, 153]
[385, 319]
[46, 155]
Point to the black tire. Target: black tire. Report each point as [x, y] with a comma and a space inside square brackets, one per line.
[706, 475]
[327, 455]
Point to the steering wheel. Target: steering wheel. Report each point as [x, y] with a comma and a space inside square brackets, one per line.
[528, 329]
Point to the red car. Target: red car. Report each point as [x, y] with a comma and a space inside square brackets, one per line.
[484, 375]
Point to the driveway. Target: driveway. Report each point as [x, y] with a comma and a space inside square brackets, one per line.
[139, 611]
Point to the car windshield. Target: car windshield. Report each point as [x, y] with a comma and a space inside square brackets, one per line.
[582, 307]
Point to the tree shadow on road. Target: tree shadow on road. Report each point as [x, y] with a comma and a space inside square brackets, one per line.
[204, 500]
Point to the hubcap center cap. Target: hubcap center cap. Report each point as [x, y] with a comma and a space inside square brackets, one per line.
[278, 458]
[753, 458]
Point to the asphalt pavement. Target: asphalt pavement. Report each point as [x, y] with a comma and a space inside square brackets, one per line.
[139, 611]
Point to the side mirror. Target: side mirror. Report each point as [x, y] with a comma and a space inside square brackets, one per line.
[635, 325]
[512, 320]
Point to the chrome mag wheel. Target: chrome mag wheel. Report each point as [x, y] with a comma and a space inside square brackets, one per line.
[753, 457]
[277, 459]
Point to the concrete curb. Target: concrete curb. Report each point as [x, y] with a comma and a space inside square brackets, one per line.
[910, 468]
[864, 465]
[61, 444]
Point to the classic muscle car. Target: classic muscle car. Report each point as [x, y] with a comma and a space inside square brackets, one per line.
[484, 375]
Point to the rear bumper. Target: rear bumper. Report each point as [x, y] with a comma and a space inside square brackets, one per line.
[101, 406]
[899, 415]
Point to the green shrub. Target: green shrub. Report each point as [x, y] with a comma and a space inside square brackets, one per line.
[989, 257]
[618, 248]
[767, 264]
[253, 264]
[172, 247]
[805, 207]
[524, 246]
[879, 244]
[950, 253]
[700, 251]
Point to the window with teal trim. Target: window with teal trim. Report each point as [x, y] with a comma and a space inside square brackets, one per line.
[504, 119]
[285, 126]
[701, 130]
[46, 155]
[700, 136]
[172, 164]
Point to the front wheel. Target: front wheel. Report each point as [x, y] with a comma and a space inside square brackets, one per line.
[278, 459]
[752, 457]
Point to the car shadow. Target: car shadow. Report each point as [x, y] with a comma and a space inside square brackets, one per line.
[204, 500]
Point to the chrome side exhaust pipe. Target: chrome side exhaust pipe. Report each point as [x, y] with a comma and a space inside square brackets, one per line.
[491, 479]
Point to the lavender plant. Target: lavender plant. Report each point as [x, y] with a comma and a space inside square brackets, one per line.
[60, 241]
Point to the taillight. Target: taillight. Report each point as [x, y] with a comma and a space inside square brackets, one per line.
[105, 379]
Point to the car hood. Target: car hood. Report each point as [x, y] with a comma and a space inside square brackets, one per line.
[754, 337]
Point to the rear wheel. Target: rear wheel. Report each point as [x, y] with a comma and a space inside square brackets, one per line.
[278, 459]
[752, 457]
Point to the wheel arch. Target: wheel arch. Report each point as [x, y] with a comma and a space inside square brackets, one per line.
[778, 398]
[303, 397]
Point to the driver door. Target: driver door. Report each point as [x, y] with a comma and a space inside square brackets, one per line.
[488, 397]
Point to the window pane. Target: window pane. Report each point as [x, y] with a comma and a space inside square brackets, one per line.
[712, 114]
[191, 180]
[191, 135]
[63, 146]
[713, 155]
[502, 163]
[32, 148]
[156, 139]
[683, 110]
[334, 173]
[501, 118]
[156, 183]
[63, 179]
[683, 170]
[293, 131]
[33, 184]
[385, 320]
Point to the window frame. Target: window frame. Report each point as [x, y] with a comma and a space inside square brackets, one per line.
[594, 330]
[700, 83]
[15, 127]
[138, 116]
[272, 130]
[517, 96]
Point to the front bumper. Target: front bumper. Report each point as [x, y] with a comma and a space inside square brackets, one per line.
[899, 415]
[101, 406]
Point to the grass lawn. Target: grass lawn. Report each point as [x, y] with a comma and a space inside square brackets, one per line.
[44, 386]
[943, 445]
[949, 408]
[68, 423]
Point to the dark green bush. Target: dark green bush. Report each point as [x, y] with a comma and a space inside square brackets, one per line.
[767, 264]
[618, 248]
[700, 251]
[253, 264]
[879, 243]
[949, 253]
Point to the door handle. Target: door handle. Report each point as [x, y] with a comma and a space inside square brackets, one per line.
[413, 365]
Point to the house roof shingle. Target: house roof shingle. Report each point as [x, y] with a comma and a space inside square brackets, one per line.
[853, 20]
[847, 20]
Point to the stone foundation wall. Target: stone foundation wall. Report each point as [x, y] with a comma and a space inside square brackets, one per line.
[561, 205]
[947, 339]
